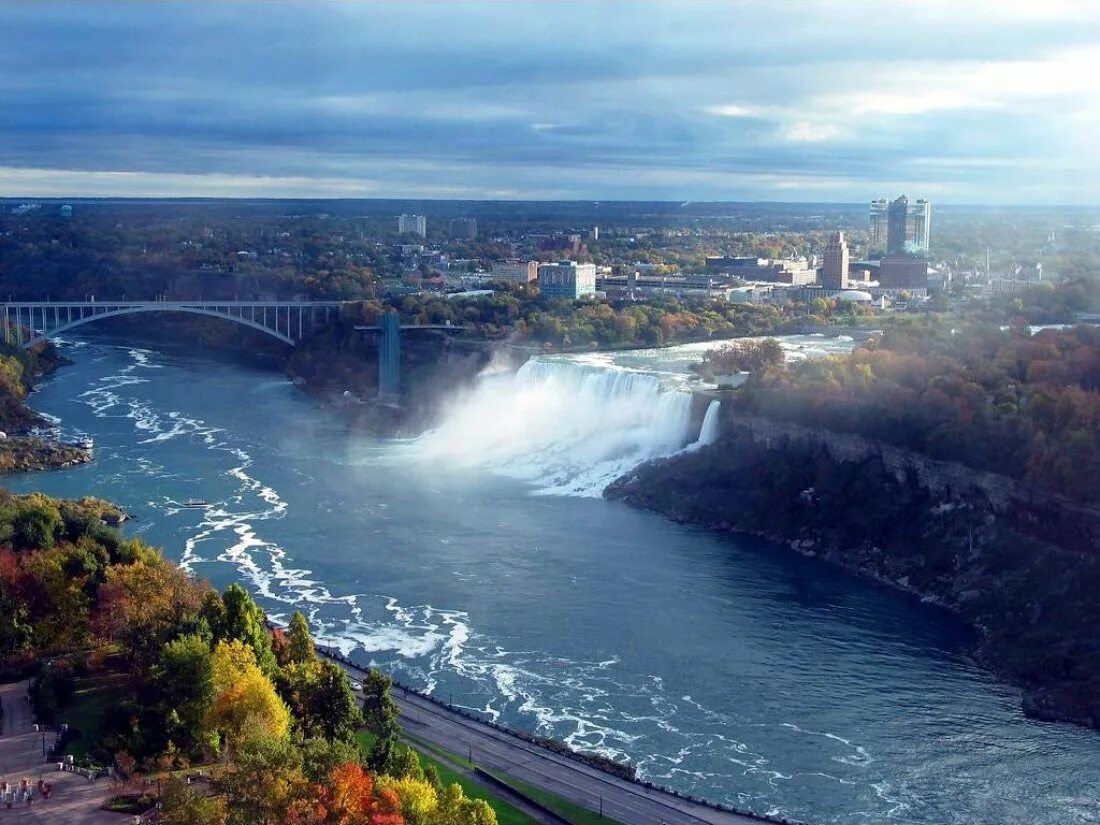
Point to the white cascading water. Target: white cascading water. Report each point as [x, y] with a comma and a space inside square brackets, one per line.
[569, 427]
[708, 433]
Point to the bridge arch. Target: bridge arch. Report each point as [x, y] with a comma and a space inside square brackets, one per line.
[134, 310]
[27, 323]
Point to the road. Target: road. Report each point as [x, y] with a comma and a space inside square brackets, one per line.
[493, 749]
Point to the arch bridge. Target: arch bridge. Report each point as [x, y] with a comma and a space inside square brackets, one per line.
[27, 323]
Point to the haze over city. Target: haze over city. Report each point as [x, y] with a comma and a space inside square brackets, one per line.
[818, 101]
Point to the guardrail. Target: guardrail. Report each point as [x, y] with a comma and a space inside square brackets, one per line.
[496, 781]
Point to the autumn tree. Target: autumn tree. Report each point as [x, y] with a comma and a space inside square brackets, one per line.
[141, 605]
[350, 796]
[244, 700]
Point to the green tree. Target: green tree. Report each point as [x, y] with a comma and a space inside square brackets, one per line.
[181, 804]
[245, 622]
[300, 648]
[266, 783]
[380, 712]
[184, 678]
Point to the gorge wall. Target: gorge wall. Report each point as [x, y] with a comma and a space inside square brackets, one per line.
[1021, 566]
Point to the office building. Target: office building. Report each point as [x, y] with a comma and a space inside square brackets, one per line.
[567, 279]
[877, 223]
[416, 224]
[834, 272]
[520, 272]
[463, 228]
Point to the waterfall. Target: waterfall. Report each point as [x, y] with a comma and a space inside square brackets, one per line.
[567, 426]
[708, 433]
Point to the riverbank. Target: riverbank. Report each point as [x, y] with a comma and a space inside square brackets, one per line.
[21, 454]
[1019, 567]
[22, 449]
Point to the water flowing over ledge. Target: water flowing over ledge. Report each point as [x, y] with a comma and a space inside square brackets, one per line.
[569, 426]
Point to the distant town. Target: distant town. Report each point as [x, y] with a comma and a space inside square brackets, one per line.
[888, 258]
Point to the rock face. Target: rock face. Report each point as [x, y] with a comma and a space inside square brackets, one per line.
[1021, 566]
[23, 453]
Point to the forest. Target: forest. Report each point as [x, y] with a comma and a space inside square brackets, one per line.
[994, 398]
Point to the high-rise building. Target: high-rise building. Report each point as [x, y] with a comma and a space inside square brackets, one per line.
[900, 226]
[877, 223]
[834, 272]
[416, 224]
[465, 228]
[919, 226]
[567, 279]
[897, 220]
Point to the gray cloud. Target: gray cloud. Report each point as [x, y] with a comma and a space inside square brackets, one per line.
[706, 100]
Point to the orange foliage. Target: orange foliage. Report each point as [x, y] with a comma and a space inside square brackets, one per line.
[349, 798]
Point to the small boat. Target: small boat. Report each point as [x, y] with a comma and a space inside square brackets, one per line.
[85, 443]
[197, 503]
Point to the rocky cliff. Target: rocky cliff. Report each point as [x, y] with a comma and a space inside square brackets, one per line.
[1020, 565]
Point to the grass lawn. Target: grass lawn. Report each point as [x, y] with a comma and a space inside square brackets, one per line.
[93, 695]
[576, 814]
[506, 814]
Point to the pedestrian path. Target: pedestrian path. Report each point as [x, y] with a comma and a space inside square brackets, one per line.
[73, 799]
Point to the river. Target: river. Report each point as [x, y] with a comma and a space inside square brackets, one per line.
[480, 563]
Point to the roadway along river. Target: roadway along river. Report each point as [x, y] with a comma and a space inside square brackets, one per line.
[718, 667]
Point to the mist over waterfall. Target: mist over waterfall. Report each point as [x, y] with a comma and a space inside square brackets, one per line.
[568, 426]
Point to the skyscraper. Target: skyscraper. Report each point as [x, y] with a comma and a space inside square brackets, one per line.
[900, 227]
[877, 224]
[834, 273]
[897, 219]
[920, 220]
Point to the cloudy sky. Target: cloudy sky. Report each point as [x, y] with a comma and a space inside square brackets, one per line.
[796, 100]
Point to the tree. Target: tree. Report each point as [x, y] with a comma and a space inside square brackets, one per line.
[299, 641]
[350, 797]
[142, 604]
[184, 677]
[265, 783]
[747, 356]
[456, 809]
[245, 621]
[37, 523]
[419, 800]
[181, 804]
[320, 694]
[379, 710]
[244, 700]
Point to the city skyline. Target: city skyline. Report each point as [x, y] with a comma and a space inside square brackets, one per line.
[819, 102]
